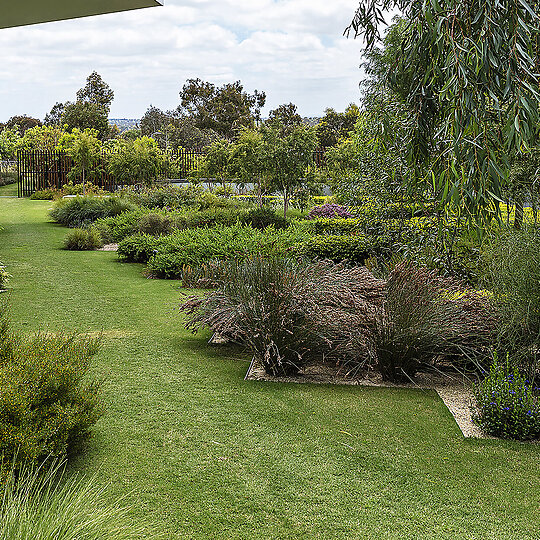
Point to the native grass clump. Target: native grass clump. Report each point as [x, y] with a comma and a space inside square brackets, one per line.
[285, 313]
[289, 313]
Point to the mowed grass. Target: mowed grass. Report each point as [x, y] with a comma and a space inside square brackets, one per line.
[199, 453]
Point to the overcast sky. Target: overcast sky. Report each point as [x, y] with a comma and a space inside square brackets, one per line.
[294, 50]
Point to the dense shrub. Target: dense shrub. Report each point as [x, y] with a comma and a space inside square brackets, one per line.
[45, 194]
[336, 226]
[191, 248]
[115, 228]
[329, 211]
[512, 273]
[82, 240]
[354, 248]
[47, 406]
[155, 224]
[138, 248]
[286, 313]
[42, 503]
[505, 403]
[264, 216]
[82, 211]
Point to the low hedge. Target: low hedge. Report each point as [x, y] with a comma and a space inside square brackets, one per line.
[337, 248]
[169, 256]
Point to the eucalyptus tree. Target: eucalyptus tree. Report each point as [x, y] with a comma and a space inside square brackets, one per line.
[472, 87]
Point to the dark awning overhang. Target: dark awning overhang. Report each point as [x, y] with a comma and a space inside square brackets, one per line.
[25, 12]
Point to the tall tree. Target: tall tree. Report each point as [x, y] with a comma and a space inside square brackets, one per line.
[288, 154]
[96, 91]
[473, 88]
[86, 115]
[335, 126]
[54, 118]
[225, 109]
[22, 123]
[285, 115]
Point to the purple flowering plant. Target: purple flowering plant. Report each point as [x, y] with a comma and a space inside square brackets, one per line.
[329, 211]
[506, 404]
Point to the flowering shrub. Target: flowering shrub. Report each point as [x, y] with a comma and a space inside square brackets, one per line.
[506, 405]
[329, 211]
[47, 403]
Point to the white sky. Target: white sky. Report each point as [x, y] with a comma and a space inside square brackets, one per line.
[294, 50]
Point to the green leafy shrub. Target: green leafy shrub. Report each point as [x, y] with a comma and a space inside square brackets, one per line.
[512, 272]
[352, 248]
[82, 211]
[336, 226]
[45, 194]
[262, 217]
[138, 248]
[155, 224]
[208, 217]
[115, 228]
[506, 405]
[42, 503]
[191, 248]
[47, 406]
[82, 240]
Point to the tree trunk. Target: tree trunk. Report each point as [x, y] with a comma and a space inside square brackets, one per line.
[518, 218]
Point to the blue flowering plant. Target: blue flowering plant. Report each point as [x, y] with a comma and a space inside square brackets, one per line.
[507, 403]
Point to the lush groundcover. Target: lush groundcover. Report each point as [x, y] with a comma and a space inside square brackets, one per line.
[196, 452]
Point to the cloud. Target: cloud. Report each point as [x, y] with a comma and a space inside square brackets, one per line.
[292, 49]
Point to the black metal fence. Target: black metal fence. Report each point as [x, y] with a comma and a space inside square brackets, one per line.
[38, 170]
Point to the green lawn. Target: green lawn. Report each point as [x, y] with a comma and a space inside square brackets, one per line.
[199, 453]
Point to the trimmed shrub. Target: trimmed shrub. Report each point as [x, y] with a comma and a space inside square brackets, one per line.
[336, 226]
[337, 248]
[47, 406]
[264, 216]
[83, 211]
[82, 240]
[505, 403]
[329, 211]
